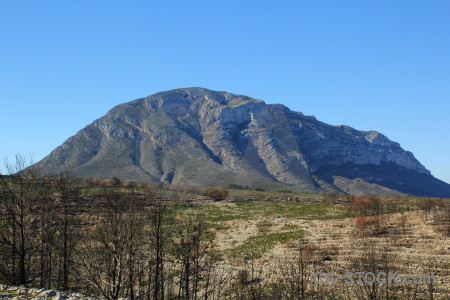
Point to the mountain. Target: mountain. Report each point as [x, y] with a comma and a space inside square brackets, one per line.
[195, 136]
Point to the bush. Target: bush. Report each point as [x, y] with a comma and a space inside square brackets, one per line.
[114, 181]
[371, 225]
[426, 204]
[234, 186]
[145, 188]
[216, 194]
[366, 206]
[242, 277]
[92, 181]
[129, 184]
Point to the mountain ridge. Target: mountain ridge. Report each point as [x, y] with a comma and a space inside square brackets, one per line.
[196, 136]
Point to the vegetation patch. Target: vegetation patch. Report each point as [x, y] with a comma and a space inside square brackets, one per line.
[309, 211]
[256, 246]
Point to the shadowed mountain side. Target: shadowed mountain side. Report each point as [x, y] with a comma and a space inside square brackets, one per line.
[388, 175]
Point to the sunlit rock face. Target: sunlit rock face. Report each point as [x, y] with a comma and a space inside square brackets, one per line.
[195, 136]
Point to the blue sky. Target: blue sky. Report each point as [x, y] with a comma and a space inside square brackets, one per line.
[373, 65]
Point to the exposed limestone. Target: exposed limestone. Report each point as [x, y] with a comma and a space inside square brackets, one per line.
[19, 292]
[195, 136]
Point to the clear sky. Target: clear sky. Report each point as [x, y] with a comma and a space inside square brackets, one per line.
[374, 65]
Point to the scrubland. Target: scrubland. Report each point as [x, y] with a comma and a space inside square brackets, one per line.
[118, 239]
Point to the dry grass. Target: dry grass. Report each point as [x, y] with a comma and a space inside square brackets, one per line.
[417, 246]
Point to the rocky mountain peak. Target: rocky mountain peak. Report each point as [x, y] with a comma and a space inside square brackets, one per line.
[196, 136]
[190, 96]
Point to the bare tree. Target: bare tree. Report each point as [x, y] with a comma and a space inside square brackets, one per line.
[249, 281]
[21, 194]
[68, 225]
[46, 216]
[112, 255]
[192, 244]
[375, 259]
[159, 237]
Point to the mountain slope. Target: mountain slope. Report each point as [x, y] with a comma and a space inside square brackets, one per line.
[195, 136]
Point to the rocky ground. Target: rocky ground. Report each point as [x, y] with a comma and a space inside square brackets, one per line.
[19, 292]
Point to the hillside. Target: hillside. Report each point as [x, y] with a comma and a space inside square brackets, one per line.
[195, 136]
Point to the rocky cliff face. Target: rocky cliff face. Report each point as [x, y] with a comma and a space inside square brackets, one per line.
[196, 136]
